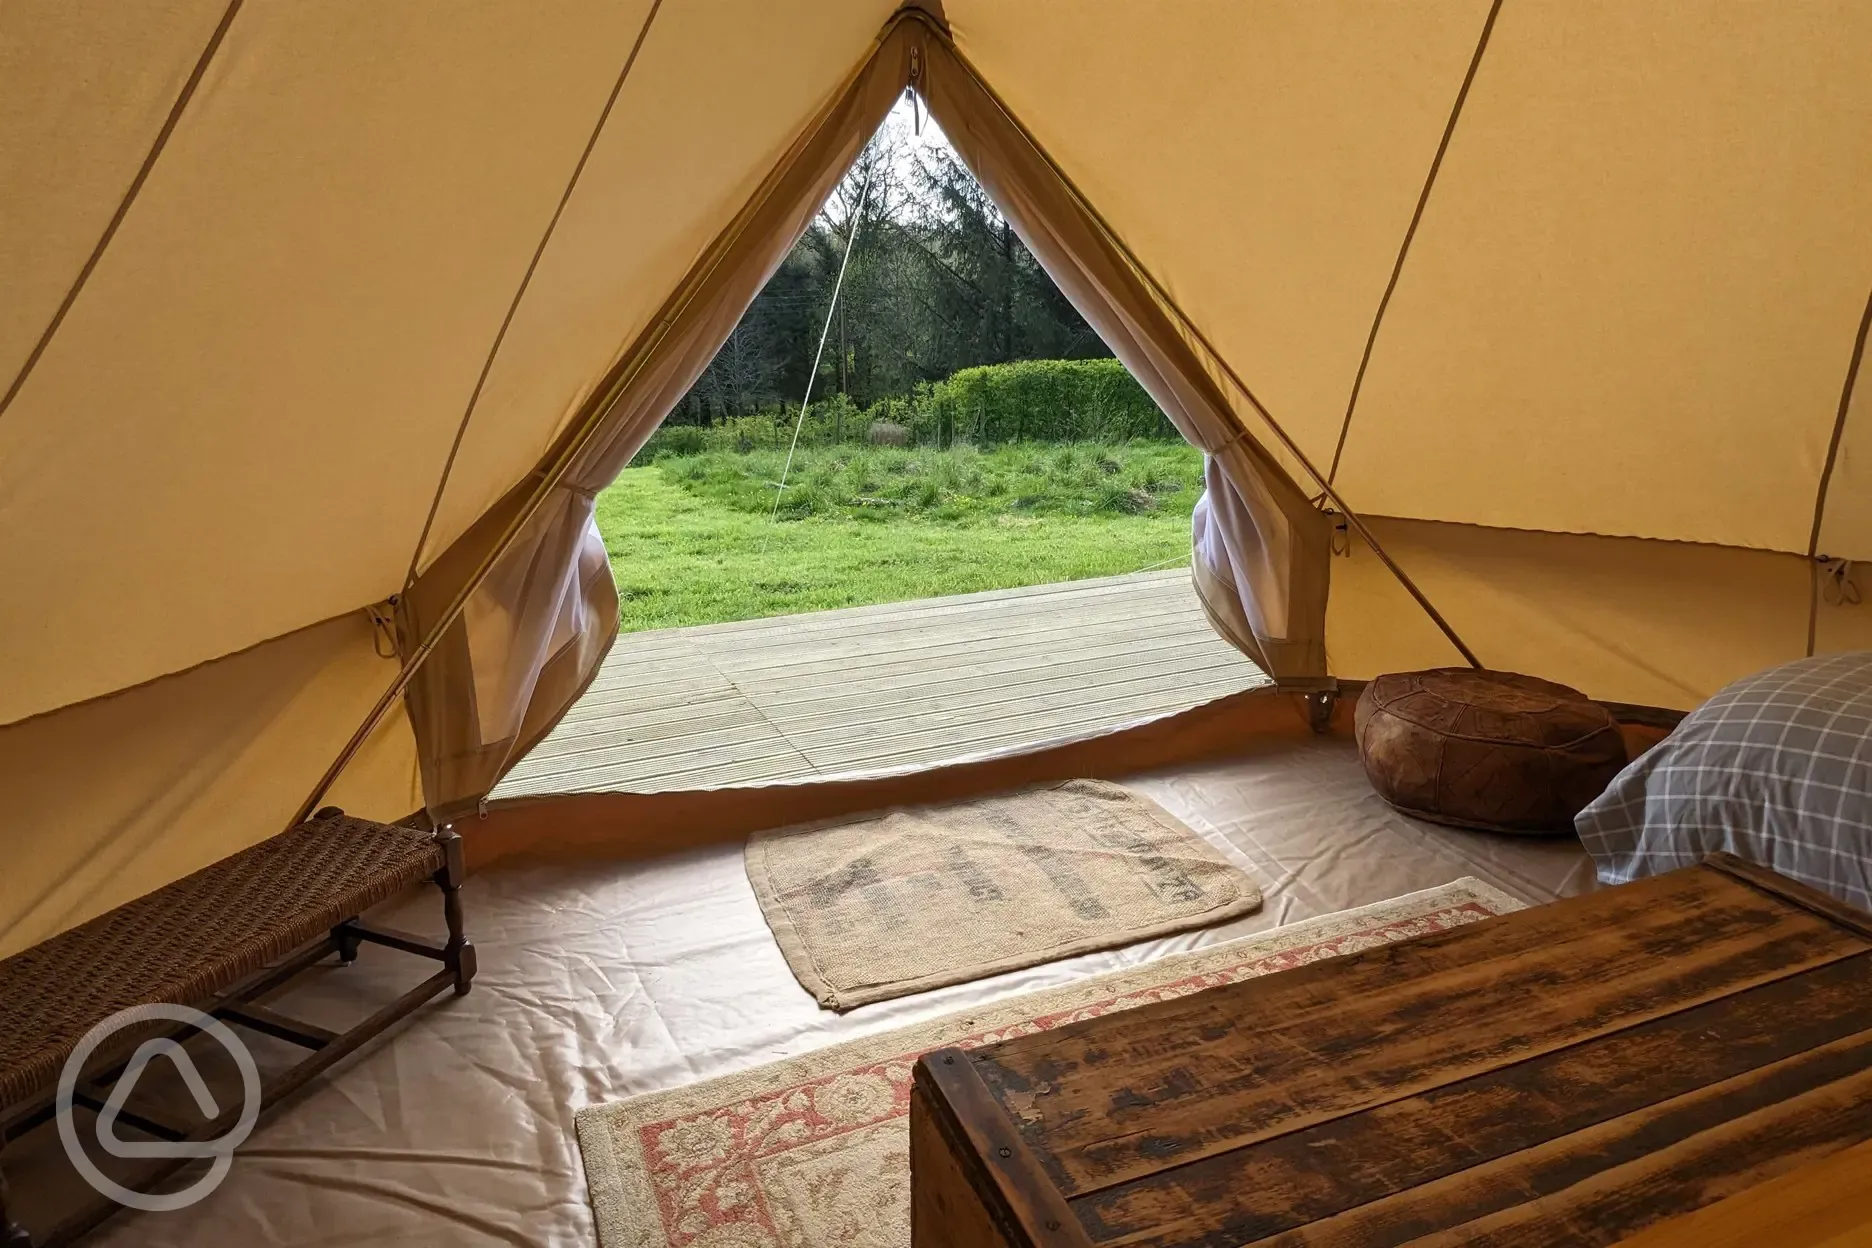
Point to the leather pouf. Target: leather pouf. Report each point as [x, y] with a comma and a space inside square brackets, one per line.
[1491, 750]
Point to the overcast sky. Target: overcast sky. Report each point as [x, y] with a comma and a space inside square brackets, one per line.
[900, 133]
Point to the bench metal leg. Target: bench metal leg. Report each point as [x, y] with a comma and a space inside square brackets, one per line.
[12, 1234]
[1320, 707]
[345, 940]
[459, 953]
[241, 1005]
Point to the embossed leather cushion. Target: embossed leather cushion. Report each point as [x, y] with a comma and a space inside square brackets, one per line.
[1491, 750]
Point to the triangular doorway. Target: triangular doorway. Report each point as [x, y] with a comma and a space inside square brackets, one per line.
[912, 511]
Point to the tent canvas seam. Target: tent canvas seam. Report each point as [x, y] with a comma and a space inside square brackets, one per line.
[526, 280]
[611, 386]
[1189, 326]
[1592, 533]
[183, 671]
[123, 206]
[1410, 232]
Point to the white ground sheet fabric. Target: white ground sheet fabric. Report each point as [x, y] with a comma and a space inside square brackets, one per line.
[605, 981]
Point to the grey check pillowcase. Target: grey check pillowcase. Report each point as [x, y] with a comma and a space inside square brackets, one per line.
[1776, 768]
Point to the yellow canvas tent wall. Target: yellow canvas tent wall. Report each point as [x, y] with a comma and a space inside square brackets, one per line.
[320, 323]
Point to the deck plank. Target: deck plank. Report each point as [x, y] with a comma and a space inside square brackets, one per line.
[882, 687]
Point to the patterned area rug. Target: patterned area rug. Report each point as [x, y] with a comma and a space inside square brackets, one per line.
[815, 1150]
[887, 905]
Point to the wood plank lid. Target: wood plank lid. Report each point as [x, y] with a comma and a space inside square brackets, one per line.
[1565, 1074]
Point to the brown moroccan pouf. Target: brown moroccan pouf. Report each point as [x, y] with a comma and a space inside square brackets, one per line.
[1491, 750]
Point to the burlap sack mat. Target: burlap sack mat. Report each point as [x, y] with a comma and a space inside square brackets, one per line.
[912, 899]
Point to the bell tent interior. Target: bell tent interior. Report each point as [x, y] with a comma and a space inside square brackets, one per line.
[1517, 334]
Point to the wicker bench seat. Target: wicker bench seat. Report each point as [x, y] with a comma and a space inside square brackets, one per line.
[217, 941]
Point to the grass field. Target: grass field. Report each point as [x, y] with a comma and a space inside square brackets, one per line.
[691, 541]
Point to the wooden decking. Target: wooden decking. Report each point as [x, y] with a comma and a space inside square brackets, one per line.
[876, 688]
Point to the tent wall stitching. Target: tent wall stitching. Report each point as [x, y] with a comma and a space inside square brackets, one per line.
[1826, 473]
[500, 336]
[1410, 232]
[123, 206]
[1190, 327]
[578, 437]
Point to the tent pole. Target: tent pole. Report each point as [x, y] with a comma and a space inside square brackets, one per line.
[1826, 476]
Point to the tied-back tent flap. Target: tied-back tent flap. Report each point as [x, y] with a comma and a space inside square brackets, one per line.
[323, 324]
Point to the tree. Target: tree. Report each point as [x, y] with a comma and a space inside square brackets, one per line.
[938, 281]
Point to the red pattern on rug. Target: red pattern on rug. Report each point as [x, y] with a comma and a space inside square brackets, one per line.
[705, 1167]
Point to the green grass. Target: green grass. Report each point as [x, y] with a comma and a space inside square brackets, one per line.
[691, 542]
[960, 484]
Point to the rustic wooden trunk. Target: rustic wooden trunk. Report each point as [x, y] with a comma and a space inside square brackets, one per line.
[1570, 1074]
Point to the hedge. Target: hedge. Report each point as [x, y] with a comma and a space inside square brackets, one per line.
[1042, 401]
[1027, 401]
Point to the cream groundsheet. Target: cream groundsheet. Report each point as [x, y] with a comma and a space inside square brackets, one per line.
[605, 981]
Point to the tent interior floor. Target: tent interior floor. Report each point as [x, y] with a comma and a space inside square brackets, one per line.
[600, 981]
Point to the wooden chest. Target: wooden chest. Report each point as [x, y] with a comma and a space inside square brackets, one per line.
[1570, 1074]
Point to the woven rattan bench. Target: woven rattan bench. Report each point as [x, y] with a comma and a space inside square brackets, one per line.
[217, 941]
